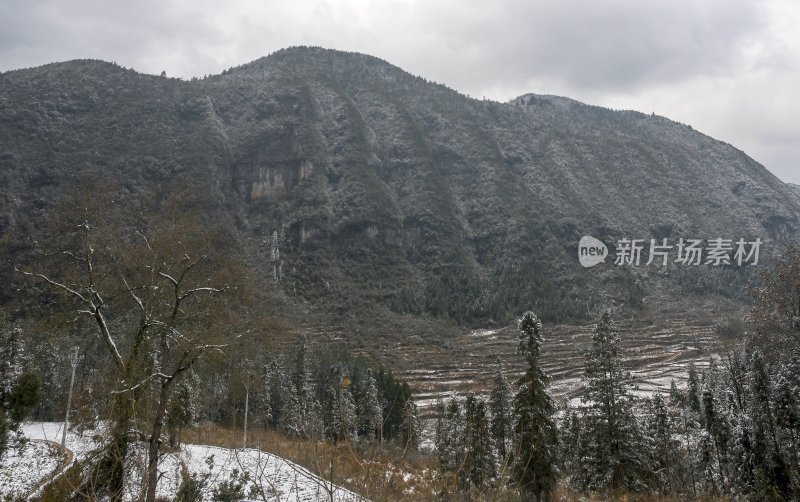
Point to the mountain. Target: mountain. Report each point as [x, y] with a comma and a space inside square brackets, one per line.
[379, 202]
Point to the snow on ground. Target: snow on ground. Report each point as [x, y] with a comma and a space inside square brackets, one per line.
[24, 466]
[81, 444]
[268, 477]
[169, 469]
[486, 333]
[278, 479]
[23, 469]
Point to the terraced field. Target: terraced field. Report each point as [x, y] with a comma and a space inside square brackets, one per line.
[655, 355]
[658, 343]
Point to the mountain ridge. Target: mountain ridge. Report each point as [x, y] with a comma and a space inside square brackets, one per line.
[393, 200]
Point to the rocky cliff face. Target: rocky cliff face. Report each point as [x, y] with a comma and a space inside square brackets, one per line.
[794, 188]
[369, 192]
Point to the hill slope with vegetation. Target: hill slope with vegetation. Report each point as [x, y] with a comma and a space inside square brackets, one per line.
[376, 199]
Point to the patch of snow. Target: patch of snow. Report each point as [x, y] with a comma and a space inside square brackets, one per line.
[83, 444]
[278, 478]
[23, 467]
[487, 333]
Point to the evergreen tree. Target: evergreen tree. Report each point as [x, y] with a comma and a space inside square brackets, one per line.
[331, 412]
[737, 381]
[449, 438]
[574, 449]
[393, 395]
[180, 412]
[716, 423]
[482, 466]
[268, 411]
[660, 430]
[290, 420]
[348, 417]
[535, 434]
[693, 389]
[339, 409]
[743, 456]
[676, 397]
[705, 449]
[368, 406]
[772, 474]
[314, 426]
[280, 393]
[306, 392]
[502, 425]
[617, 455]
[787, 411]
[410, 427]
[689, 427]
[19, 390]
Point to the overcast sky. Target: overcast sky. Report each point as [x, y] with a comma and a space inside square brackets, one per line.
[729, 68]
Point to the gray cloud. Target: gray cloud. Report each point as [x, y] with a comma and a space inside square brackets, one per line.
[616, 44]
[728, 67]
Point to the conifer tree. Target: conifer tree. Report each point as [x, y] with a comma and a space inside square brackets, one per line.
[617, 455]
[716, 423]
[411, 427]
[771, 470]
[743, 455]
[675, 396]
[787, 409]
[574, 449]
[290, 420]
[331, 412]
[304, 382]
[282, 393]
[664, 449]
[693, 390]
[705, 448]
[482, 466]
[180, 412]
[535, 434]
[449, 438]
[339, 409]
[368, 407]
[394, 396]
[19, 390]
[502, 425]
[9, 374]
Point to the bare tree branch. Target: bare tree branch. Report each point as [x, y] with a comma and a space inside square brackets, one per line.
[54, 283]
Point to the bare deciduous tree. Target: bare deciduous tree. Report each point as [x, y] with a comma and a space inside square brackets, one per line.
[776, 316]
[160, 292]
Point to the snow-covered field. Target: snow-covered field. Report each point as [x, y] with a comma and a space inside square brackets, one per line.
[275, 477]
[81, 444]
[23, 467]
[22, 470]
[266, 476]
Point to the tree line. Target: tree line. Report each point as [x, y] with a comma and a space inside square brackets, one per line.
[732, 433]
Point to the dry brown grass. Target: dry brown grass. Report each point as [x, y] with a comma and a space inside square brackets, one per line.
[387, 472]
[378, 472]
